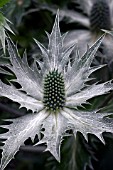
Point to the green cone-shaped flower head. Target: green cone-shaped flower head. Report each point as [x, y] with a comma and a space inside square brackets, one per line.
[100, 17]
[54, 91]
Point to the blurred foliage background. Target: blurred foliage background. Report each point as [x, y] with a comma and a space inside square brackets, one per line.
[29, 19]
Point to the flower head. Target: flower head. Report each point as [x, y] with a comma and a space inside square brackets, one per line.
[54, 90]
[95, 15]
[98, 16]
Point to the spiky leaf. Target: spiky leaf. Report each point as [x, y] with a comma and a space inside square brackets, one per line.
[3, 26]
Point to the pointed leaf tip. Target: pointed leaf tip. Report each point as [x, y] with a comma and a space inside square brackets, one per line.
[56, 23]
[57, 16]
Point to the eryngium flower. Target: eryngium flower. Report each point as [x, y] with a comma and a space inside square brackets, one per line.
[54, 90]
[95, 15]
[98, 16]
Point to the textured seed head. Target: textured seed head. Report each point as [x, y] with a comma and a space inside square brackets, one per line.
[100, 16]
[54, 91]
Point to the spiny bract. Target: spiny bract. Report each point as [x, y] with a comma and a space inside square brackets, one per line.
[4, 26]
[54, 90]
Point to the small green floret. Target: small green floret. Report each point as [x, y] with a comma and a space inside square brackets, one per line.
[54, 91]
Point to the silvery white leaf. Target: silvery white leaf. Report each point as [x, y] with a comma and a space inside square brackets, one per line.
[21, 129]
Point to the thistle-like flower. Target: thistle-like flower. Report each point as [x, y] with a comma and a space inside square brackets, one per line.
[97, 15]
[53, 91]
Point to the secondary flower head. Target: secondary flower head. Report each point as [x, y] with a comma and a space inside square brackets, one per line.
[95, 15]
[54, 90]
[99, 15]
